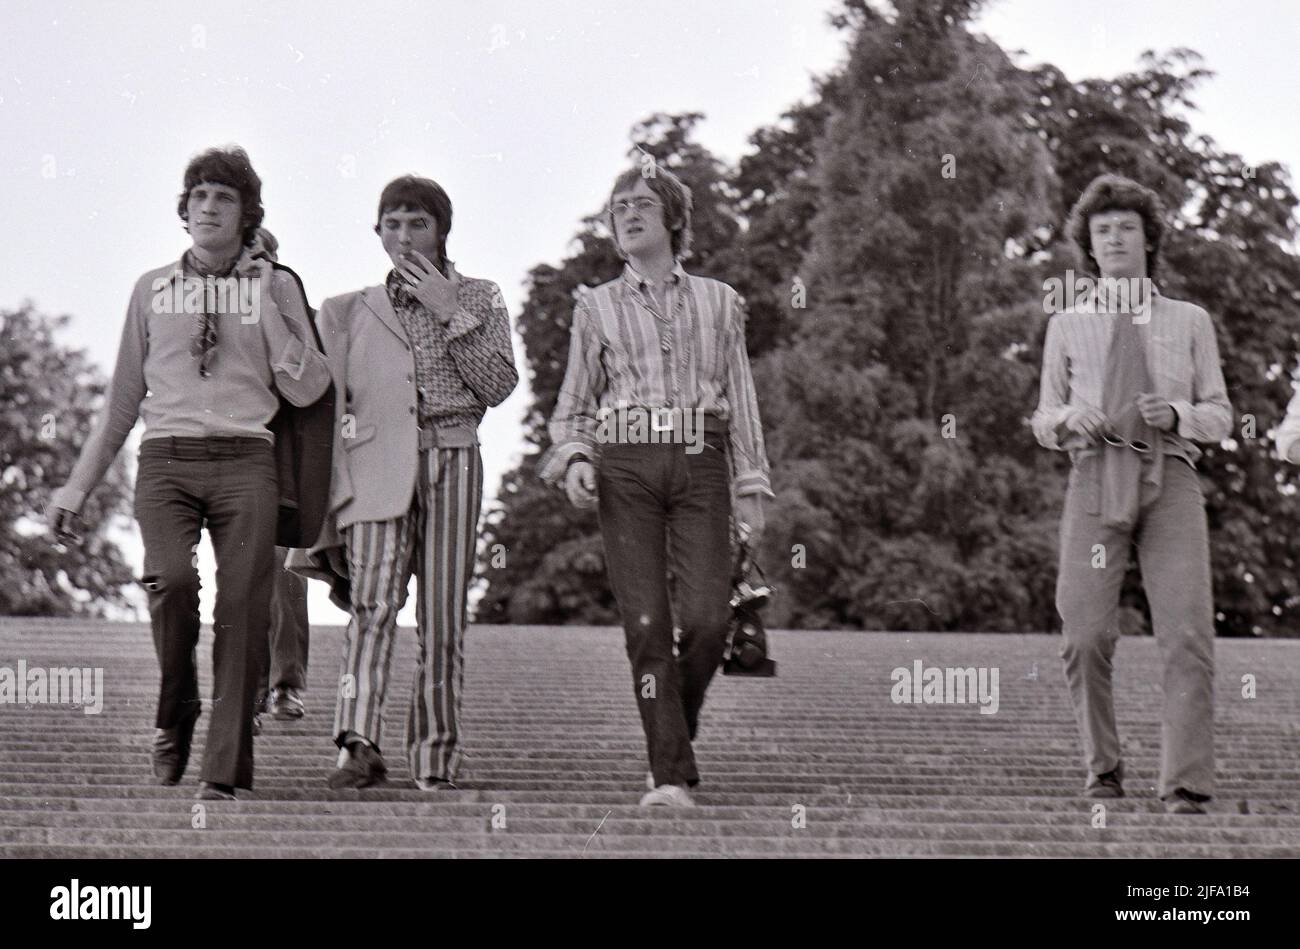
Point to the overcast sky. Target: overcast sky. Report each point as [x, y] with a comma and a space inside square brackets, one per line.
[520, 109]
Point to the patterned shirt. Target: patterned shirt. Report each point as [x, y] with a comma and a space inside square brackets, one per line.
[681, 349]
[465, 366]
[1183, 359]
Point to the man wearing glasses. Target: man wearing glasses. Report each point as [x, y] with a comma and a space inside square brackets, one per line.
[654, 349]
[1131, 382]
[210, 344]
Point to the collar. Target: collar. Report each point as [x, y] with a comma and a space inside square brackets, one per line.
[634, 278]
[1120, 299]
[245, 266]
[398, 293]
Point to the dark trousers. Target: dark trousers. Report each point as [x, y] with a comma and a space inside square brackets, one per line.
[663, 509]
[229, 485]
[285, 657]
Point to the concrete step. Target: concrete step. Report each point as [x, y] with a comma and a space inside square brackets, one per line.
[817, 762]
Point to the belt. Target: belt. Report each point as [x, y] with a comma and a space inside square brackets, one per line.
[448, 436]
[213, 446]
[663, 420]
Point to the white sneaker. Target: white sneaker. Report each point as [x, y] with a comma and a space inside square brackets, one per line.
[435, 784]
[668, 795]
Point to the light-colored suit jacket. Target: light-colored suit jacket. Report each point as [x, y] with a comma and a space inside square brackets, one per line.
[376, 432]
[376, 420]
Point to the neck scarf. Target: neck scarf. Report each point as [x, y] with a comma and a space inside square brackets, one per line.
[1123, 468]
[203, 341]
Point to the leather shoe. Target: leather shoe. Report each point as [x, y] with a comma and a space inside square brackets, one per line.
[1183, 801]
[215, 792]
[363, 767]
[1110, 784]
[171, 750]
[286, 703]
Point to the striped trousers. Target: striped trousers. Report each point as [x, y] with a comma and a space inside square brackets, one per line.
[436, 537]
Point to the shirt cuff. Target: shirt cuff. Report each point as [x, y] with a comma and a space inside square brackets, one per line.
[293, 359]
[1183, 411]
[302, 374]
[1058, 434]
[555, 463]
[462, 322]
[752, 482]
[68, 498]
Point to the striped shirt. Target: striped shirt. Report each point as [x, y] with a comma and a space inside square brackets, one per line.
[1183, 359]
[681, 349]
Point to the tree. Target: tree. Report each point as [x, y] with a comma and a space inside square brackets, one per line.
[776, 197]
[47, 399]
[909, 496]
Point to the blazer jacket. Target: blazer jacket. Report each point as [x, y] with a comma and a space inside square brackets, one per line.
[376, 437]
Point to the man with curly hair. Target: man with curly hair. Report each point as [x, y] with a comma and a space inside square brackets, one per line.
[1131, 383]
[211, 344]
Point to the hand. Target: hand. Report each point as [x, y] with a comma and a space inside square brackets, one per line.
[1089, 422]
[1156, 412]
[750, 519]
[580, 485]
[429, 286]
[256, 263]
[67, 525]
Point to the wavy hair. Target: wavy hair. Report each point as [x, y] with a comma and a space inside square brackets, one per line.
[1116, 193]
[227, 166]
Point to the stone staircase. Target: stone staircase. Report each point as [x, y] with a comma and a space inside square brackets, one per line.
[818, 762]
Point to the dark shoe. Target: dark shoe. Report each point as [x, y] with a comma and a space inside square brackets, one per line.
[363, 767]
[1183, 801]
[215, 792]
[1110, 784]
[286, 703]
[171, 750]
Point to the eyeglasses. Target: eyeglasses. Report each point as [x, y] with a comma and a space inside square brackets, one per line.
[1115, 441]
[620, 208]
[1139, 446]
